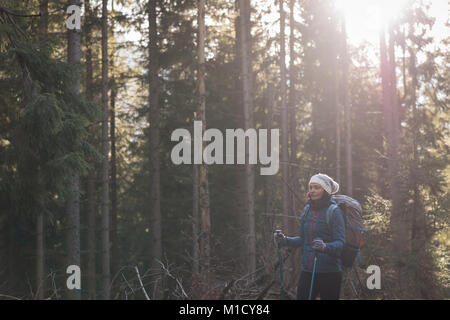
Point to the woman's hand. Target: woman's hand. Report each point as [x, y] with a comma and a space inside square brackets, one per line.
[279, 238]
[319, 245]
[307, 197]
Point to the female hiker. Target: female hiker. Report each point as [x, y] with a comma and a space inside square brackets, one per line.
[322, 242]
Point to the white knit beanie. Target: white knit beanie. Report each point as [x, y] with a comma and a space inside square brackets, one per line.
[327, 183]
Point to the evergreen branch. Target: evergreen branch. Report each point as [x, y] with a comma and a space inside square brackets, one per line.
[3, 9]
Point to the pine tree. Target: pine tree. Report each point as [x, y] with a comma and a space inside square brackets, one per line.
[154, 120]
[73, 200]
[284, 119]
[205, 219]
[91, 179]
[105, 162]
[245, 45]
[347, 111]
[40, 231]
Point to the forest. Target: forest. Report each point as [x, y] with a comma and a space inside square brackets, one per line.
[120, 174]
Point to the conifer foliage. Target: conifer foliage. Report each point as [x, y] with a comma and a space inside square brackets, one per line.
[86, 118]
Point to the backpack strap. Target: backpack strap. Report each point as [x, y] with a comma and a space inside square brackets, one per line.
[329, 216]
[330, 212]
[304, 212]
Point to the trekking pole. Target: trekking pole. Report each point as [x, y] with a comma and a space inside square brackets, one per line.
[280, 263]
[312, 278]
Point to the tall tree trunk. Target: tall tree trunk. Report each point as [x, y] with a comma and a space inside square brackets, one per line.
[195, 220]
[387, 117]
[91, 232]
[346, 102]
[91, 178]
[284, 120]
[292, 112]
[40, 235]
[43, 19]
[244, 8]
[294, 205]
[400, 217]
[337, 107]
[419, 221]
[398, 222]
[13, 277]
[114, 240]
[73, 200]
[405, 93]
[418, 239]
[201, 113]
[153, 118]
[394, 97]
[40, 256]
[268, 181]
[240, 203]
[105, 161]
[239, 173]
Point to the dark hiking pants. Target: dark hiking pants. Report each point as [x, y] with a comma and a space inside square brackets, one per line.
[327, 285]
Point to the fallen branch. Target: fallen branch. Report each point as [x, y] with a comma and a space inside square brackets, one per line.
[10, 297]
[171, 276]
[55, 290]
[129, 286]
[140, 281]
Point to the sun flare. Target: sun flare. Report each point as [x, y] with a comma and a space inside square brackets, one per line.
[365, 18]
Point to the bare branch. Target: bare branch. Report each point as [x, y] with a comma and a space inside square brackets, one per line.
[170, 275]
[140, 281]
[10, 297]
[128, 285]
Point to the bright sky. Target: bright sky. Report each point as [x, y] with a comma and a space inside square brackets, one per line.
[364, 17]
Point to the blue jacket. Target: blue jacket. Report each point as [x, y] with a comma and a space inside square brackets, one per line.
[314, 226]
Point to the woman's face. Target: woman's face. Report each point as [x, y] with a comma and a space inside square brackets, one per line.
[315, 191]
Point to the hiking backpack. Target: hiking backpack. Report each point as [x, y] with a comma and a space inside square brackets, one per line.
[354, 224]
